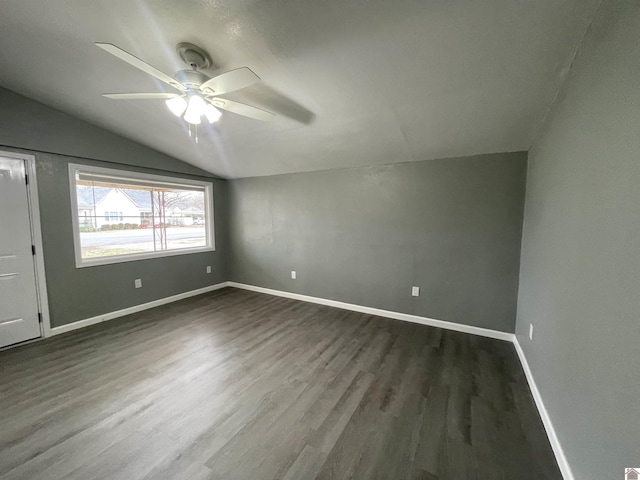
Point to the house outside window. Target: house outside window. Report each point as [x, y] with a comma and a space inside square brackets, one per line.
[124, 216]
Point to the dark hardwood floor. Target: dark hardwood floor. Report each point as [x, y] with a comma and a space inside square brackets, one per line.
[240, 385]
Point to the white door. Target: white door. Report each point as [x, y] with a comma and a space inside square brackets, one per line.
[18, 296]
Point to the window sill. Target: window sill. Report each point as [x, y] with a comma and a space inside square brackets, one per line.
[99, 261]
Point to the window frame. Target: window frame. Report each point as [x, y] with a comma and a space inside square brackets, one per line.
[128, 174]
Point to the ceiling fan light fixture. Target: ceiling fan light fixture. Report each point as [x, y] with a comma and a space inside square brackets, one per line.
[212, 113]
[195, 109]
[192, 118]
[177, 105]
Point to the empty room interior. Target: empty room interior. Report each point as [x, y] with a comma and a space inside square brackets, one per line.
[271, 239]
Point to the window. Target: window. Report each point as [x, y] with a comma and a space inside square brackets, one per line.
[120, 216]
[112, 216]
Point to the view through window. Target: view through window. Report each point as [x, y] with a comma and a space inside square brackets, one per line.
[142, 215]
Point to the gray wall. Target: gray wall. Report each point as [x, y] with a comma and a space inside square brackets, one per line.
[75, 294]
[580, 272]
[366, 235]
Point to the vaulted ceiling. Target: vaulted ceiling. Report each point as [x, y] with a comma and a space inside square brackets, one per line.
[359, 82]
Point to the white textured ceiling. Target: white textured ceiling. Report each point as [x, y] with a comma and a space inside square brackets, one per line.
[353, 82]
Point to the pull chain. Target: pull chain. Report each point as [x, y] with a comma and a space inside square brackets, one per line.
[193, 133]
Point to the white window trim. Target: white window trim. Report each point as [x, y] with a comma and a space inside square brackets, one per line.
[82, 263]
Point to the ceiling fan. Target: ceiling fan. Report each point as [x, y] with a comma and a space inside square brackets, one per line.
[198, 92]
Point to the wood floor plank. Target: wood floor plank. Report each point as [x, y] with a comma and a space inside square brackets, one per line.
[240, 385]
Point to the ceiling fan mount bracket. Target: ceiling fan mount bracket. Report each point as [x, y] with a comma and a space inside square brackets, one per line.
[194, 56]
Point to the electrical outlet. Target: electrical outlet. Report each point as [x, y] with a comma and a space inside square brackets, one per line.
[293, 274]
[415, 291]
[208, 268]
[138, 283]
[531, 331]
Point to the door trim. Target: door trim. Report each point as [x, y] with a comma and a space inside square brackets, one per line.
[36, 238]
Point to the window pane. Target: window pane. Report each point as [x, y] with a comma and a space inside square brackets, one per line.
[121, 218]
[178, 219]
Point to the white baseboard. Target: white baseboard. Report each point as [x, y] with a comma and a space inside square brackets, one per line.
[136, 308]
[565, 469]
[484, 332]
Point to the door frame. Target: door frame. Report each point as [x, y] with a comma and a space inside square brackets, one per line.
[36, 238]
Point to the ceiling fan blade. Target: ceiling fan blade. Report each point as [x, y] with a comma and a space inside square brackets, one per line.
[242, 109]
[140, 65]
[230, 81]
[139, 96]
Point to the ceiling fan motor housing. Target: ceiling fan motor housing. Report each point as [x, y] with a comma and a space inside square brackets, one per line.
[191, 78]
